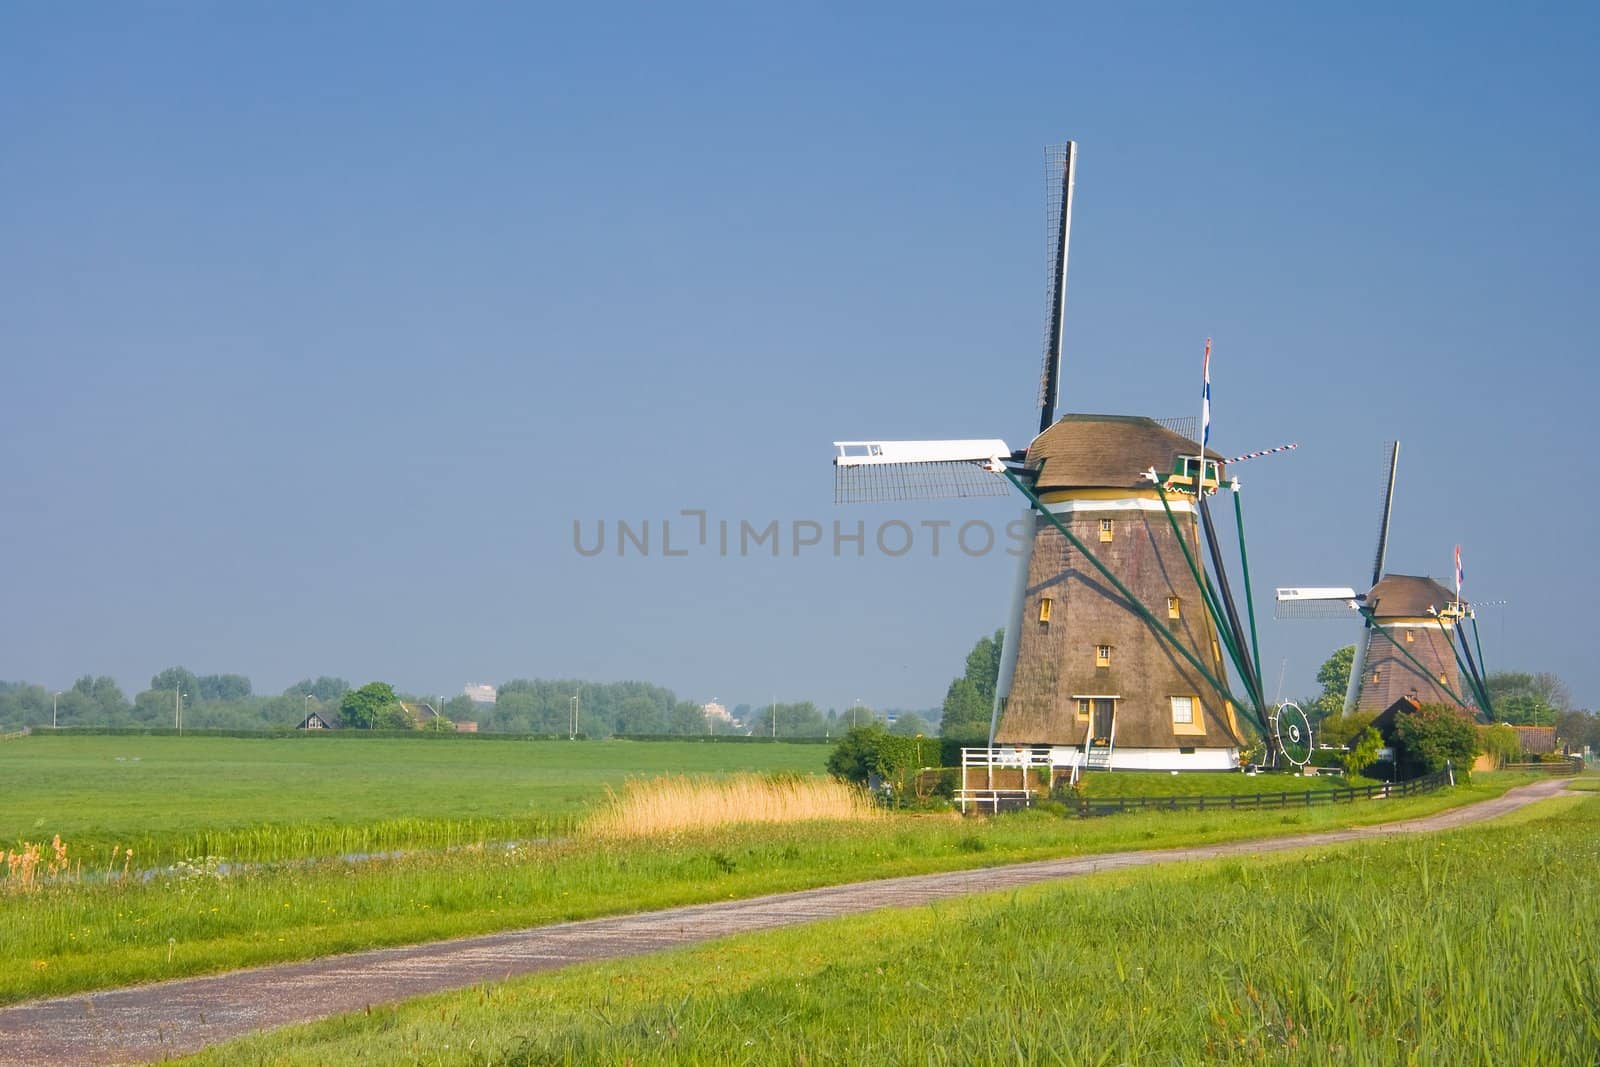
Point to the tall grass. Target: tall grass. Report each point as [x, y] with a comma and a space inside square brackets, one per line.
[655, 807]
[89, 933]
[1479, 946]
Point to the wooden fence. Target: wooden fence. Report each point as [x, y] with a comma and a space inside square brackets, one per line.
[1558, 768]
[1088, 807]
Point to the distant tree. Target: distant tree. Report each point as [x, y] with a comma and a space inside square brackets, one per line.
[460, 709]
[1434, 734]
[1334, 677]
[102, 699]
[323, 689]
[372, 707]
[794, 720]
[222, 687]
[686, 718]
[983, 664]
[22, 704]
[1363, 751]
[909, 724]
[154, 707]
[1343, 730]
[1524, 709]
[179, 679]
[438, 725]
[638, 715]
[1502, 743]
[1579, 728]
[969, 702]
[855, 754]
[1525, 699]
[966, 713]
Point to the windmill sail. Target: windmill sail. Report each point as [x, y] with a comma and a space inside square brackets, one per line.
[1060, 162]
[1358, 666]
[871, 472]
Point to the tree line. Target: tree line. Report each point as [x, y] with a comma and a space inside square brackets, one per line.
[529, 706]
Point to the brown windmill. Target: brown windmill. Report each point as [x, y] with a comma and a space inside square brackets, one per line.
[1120, 634]
[1413, 644]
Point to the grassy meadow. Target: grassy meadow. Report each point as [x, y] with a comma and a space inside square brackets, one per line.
[253, 800]
[204, 916]
[1475, 946]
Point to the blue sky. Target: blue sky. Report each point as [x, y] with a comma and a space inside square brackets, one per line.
[319, 330]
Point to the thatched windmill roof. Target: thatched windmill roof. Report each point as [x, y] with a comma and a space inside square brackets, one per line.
[1106, 451]
[1408, 596]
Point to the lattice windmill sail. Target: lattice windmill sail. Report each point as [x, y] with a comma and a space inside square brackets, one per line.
[1406, 648]
[1114, 654]
[870, 472]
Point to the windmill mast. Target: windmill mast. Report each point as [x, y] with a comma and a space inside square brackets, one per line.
[1358, 664]
[1061, 163]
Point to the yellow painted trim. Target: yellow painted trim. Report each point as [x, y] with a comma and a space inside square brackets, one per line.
[1058, 495]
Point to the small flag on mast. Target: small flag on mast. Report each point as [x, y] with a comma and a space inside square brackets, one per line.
[1205, 406]
[1458, 574]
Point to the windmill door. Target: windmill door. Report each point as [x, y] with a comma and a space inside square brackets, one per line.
[1101, 713]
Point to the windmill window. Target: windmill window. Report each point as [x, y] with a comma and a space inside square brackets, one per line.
[1044, 609]
[1174, 608]
[1083, 707]
[1106, 529]
[1102, 655]
[1374, 677]
[1410, 637]
[1183, 711]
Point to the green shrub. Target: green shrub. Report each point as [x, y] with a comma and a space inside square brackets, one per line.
[1435, 734]
[1502, 743]
[1362, 751]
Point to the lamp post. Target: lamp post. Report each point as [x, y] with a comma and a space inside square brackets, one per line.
[305, 708]
[53, 698]
[177, 710]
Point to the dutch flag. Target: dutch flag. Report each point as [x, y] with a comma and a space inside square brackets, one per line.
[1205, 403]
[1459, 574]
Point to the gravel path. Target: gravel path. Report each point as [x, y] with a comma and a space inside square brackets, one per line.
[150, 1022]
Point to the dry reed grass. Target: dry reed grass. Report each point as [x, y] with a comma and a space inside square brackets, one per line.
[676, 803]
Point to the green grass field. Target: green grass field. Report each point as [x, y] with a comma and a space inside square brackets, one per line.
[172, 798]
[1475, 946]
[93, 934]
[1207, 783]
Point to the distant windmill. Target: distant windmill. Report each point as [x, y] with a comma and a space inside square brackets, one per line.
[1114, 655]
[1412, 644]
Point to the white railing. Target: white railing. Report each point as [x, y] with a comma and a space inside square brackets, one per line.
[988, 760]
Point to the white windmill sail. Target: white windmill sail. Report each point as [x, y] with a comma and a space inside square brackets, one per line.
[1322, 602]
[866, 472]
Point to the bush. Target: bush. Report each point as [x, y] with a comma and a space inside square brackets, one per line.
[872, 750]
[1502, 743]
[1363, 751]
[1435, 734]
[1340, 730]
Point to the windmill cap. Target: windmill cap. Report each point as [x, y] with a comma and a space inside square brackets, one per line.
[1106, 451]
[1408, 596]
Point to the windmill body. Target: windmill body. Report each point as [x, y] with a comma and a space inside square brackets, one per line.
[1082, 672]
[1410, 628]
[1413, 658]
[1112, 656]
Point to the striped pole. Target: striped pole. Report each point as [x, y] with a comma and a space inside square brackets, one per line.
[1263, 452]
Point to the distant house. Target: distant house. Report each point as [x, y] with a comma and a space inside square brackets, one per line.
[420, 713]
[423, 714]
[318, 720]
[480, 692]
[1536, 740]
